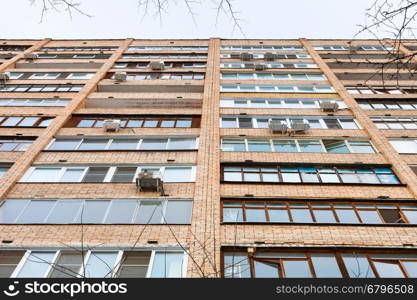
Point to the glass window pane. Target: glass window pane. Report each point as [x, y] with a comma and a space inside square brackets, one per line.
[124, 174]
[325, 265]
[68, 265]
[10, 209]
[232, 215]
[167, 265]
[86, 123]
[123, 144]
[290, 177]
[357, 266]
[255, 215]
[285, 146]
[182, 144]
[135, 264]
[301, 216]
[36, 211]
[232, 176]
[335, 146]
[177, 174]
[404, 146]
[370, 217]
[72, 175]
[95, 174]
[64, 144]
[178, 212]
[36, 264]
[236, 265]
[100, 264]
[121, 211]
[150, 212]
[64, 212]
[278, 215]
[153, 144]
[93, 212]
[296, 269]
[184, 123]
[44, 175]
[411, 216]
[411, 267]
[388, 270]
[324, 216]
[347, 216]
[259, 146]
[93, 144]
[310, 146]
[265, 270]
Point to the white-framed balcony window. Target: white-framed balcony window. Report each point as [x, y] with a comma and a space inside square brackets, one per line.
[97, 263]
[271, 76]
[272, 65]
[404, 146]
[298, 145]
[262, 47]
[80, 76]
[96, 211]
[257, 102]
[104, 143]
[314, 122]
[105, 173]
[16, 75]
[272, 88]
[44, 76]
[34, 102]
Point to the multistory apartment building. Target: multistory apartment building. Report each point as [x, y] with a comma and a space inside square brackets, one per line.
[207, 158]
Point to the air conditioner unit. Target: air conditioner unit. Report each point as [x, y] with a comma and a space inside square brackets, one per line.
[259, 67]
[111, 125]
[150, 181]
[4, 76]
[329, 106]
[120, 76]
[246, 56]
[269, 56]
[277, 127]
[30, 56]
[235, 55]
[157, 65]
[298, 127]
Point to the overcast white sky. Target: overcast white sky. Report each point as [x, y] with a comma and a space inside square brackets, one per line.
[121, 19]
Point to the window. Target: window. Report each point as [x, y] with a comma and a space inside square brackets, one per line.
[405, 146]
[164, 76]
[297, 145]
[395, 122]
[70, 263]
[276, 88]
[34, 102]
[271, 76]
[318, 263]
[15, 144]
[106, 144]
[138, 122]
[80, 76]
[40, 88]
[391, 104]
[42, 76]
[75, 211]
[96, 174]
[323, 175]
[314, 122]
[299, 211]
